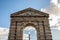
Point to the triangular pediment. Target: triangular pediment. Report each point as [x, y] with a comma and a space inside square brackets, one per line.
[29, 12]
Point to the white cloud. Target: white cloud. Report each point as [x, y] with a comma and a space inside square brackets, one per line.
[54, 22]
[25, 37]
[29, 28]
[54, 10]
[54, 1]
[4, 33]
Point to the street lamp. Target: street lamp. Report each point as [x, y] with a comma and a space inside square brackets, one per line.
[29, 35]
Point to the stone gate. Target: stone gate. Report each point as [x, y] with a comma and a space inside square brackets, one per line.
[29, 17]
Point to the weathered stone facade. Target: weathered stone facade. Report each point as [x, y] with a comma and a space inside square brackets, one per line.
[29, 17]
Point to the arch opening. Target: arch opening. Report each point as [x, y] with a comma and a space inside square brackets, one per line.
[29, 33]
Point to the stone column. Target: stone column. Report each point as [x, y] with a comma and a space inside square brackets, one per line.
[47, 30]
[41, 31]
[12, 30]
[38, 31]
[19, 33]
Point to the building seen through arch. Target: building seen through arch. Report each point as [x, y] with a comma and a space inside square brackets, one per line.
[32, 22]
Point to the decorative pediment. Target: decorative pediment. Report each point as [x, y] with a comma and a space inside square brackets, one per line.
[29, 12]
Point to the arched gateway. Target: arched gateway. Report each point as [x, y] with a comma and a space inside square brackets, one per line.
[29, 17]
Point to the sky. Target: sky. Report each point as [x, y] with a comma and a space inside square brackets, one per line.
[29, 30]
[52, 7]
[8, 7]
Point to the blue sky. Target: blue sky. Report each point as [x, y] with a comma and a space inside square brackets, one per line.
[8, 7]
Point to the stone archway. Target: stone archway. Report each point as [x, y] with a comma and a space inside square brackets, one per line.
[37, 19]
[29, 33]
[32, 26]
